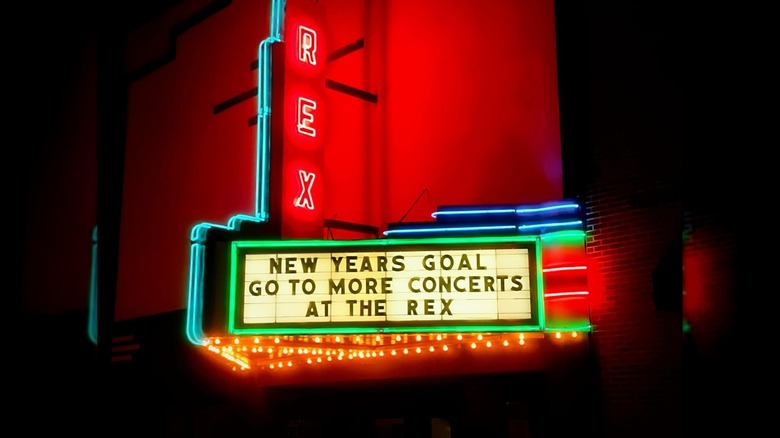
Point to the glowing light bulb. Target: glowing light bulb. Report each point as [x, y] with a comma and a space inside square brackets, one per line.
[289, 364]
[398, 338]
[418, 349]
[271, 366]
[319, 360]
[438, 337]
[573, 334]
[235, 341]
[522, 341]
[431, 348]
[338, 339]
[445, 348]
[473, 345]
[558, 335]
[381, 354]
[479, 337]
[378, 338]
[330, 358]
[217, 341]
[460, 337]
[257, 340]
[316, 339]
[281, 365]
[392, 352]
[276, 340]
[418, 337]
[406, 351]
[489, 344]
[506, 342]
[308, 360]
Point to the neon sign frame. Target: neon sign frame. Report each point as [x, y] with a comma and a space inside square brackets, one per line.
[431, 244]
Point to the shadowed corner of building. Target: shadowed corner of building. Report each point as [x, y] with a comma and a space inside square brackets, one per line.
[668, 279]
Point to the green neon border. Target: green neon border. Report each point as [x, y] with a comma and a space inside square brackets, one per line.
[291, 244]
[565, 237]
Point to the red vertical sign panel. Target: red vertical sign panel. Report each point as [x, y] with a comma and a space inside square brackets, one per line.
[304, 135]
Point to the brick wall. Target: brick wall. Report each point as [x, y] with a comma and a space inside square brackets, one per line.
[634, 204]
[638, 347]
[655, 379]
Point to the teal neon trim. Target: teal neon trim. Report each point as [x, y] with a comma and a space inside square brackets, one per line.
[449, 229]
[329, 244]
[198, 234]
[264, 110]
[548, 208]
[194, 325]
[548, 225]
[193, 328]
[472, 212]
[92, 325]
[506, 210]
[277, 18]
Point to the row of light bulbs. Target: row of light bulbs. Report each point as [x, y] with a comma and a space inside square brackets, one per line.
[286, 351]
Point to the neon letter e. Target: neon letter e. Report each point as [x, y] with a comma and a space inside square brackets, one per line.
[306, 109]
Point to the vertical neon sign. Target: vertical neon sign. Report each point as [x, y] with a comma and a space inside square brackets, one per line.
[303, 136]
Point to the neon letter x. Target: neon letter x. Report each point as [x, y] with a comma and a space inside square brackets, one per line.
[305, 199]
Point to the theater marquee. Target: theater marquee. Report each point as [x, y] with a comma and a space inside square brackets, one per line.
[439, 284]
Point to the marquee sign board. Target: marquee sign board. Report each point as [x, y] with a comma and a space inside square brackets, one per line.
[439, 284]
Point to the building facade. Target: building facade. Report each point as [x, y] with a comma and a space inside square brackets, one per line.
[660, 255]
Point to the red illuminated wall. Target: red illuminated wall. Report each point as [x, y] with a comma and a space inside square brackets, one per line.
[466, 112]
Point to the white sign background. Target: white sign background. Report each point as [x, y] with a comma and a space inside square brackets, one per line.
[387, 286]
